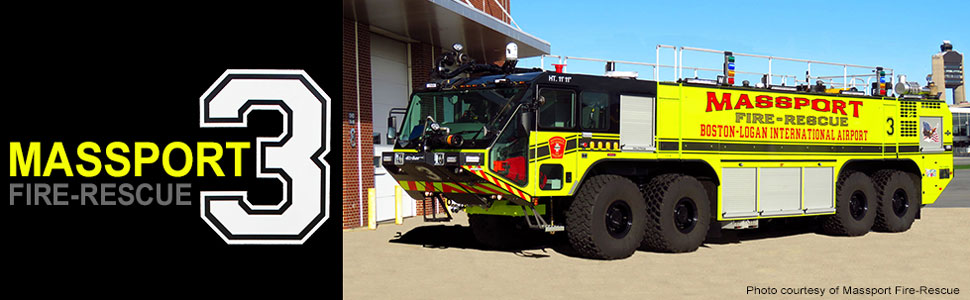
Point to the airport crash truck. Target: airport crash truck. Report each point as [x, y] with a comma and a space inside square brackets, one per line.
[620, 163]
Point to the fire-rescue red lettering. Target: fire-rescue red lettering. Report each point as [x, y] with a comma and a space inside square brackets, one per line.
[718, 106]
[838, 107]
[743, 101]
[855, 108]
[763, 101]
[783, 102]
[817, 105]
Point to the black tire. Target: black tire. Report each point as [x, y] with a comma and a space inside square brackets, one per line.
[899, 201]
[605, 220]
[855, 206]
[501, 232]
[678, 214]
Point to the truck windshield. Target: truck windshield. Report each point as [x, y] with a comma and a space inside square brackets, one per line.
[473, 114]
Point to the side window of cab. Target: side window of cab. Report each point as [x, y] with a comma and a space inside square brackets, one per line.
[595, 110]
[558, 109]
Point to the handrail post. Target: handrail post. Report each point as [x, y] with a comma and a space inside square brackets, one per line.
[680, 71]
[808, 74]
[868, 84]
[769, 71]
[845, 75]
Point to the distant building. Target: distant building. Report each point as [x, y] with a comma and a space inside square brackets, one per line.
[948, 74]
[961, 129]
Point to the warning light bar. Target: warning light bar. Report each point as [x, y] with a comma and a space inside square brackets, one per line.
[729, 68]
[880, 88]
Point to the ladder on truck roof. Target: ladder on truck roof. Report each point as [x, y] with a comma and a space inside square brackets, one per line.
[861, 82]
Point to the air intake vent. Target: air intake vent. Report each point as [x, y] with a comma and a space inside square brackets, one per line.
[907, 109]
[908, 129]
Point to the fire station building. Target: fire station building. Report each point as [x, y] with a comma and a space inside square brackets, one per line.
[389, 48]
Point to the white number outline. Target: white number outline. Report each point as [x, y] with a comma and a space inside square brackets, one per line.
[241, 121]
[427, 172]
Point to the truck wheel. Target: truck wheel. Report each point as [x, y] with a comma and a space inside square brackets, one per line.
[605, 220]
[678, 213]
[855, 206]
[898, 201]
[499, 232]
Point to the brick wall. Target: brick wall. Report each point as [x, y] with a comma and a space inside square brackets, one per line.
[491, 8]
[356, 70]
[422, 62]
[423, 209]
[356, 66]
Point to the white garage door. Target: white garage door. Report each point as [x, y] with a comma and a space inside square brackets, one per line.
[389, 82]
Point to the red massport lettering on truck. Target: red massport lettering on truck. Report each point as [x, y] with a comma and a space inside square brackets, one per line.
[764, 101]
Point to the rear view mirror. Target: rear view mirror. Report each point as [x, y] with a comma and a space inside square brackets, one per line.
[391, 131]
[527, 117]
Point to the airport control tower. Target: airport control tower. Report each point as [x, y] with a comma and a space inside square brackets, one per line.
[948, 74]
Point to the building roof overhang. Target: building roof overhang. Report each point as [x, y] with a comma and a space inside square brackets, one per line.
[442, 23]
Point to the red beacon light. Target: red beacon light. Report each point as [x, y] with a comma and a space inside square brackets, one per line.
[559, 67]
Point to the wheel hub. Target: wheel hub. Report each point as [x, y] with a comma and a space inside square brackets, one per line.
[619, 219]
[685, 215]
[858, 206]
[900, 202]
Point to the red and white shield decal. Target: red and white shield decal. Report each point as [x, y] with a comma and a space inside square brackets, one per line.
[557, 145]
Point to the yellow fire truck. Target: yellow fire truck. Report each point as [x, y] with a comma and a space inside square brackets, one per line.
[620, 163]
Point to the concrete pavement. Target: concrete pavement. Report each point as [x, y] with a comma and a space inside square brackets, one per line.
[957, 193]
[420, 260]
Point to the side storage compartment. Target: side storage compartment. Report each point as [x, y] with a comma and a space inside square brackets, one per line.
[820, 190]
[754, 192]
[780, 191]
[739, 193]
[637, 123]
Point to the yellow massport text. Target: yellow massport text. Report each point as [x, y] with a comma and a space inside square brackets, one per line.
[88, 158]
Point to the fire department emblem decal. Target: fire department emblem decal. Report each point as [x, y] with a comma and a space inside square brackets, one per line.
[557, 145]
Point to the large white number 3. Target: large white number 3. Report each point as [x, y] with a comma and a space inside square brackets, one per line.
[295, 157]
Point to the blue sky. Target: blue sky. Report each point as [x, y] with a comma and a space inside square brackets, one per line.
[898, 34]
